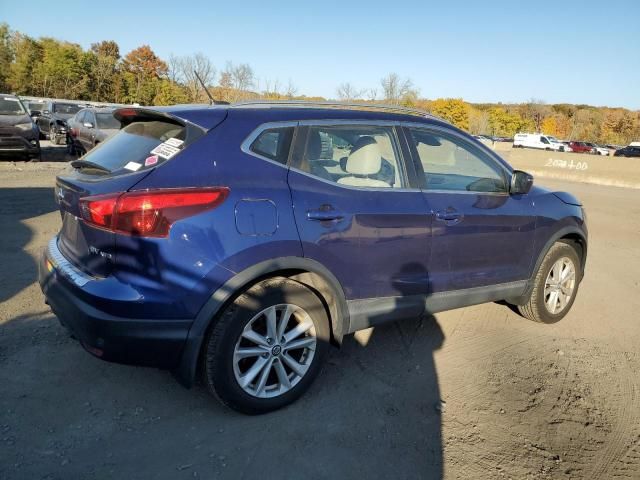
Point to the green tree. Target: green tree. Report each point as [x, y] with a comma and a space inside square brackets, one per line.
[6, 57]
[103, 59]
[170, 93]
[28, 54]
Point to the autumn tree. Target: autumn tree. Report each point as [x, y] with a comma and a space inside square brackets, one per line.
[142, 71]
[453, 110]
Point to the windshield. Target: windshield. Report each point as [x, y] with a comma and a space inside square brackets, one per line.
[66, 108]
[11, 106]
[107, 121]
[131, 148]
[36, 106]
[553, 139]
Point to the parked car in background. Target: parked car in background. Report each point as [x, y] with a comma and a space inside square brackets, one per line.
[598, 149]
[89, 127]
[580, 147]
[35, 107]
[18, 134]
[537, 140]
[628, 151]
[238, 242]
[52, 121]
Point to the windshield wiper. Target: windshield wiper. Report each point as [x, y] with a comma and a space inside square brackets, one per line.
[87, 164]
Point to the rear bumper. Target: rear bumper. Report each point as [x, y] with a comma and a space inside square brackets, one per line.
[154, 343]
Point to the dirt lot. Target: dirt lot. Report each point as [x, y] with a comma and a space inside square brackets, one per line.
[473, 393]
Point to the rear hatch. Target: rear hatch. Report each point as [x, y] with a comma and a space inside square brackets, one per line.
[146, 140]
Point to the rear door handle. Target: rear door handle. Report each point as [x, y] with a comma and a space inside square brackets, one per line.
[326, 213]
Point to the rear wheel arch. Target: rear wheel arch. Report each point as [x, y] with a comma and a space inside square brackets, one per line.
[307, 272]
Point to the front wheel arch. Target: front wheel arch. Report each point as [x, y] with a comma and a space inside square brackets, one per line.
[570, 235]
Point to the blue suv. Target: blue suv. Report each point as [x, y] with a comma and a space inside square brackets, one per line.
[236, 243]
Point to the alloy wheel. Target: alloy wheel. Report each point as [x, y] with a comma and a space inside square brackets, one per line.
[274, 351]
[559, 285]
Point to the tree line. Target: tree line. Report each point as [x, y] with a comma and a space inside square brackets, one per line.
[48, 67]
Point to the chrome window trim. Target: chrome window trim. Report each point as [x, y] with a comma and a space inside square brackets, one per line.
[245, 146]
[427, 124]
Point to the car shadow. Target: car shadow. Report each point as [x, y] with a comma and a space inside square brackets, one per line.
[19, 269]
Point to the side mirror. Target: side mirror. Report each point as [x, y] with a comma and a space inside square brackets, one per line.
[88, 124]
[35, 113]
[45, 112]
[521, 182]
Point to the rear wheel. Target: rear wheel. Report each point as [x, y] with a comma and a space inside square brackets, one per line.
[555, 285]
[267, 347]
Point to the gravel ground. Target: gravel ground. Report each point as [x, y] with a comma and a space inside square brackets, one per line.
[473, 393]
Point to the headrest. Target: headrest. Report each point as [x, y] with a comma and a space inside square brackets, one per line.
[365, 157]
[314, 145]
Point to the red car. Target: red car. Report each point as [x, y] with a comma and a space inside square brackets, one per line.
[581, 147]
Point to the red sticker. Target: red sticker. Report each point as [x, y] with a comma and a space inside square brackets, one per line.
[152, 160]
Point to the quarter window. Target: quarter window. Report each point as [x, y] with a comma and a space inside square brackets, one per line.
[356, 156]
[449, 163]
[274, 144]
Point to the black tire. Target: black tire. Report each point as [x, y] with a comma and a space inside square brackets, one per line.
[218, 353]
[535, 308]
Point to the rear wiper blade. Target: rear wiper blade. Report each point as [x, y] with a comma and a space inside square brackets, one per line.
[87, 164]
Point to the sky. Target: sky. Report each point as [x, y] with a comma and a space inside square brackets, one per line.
[490, 51]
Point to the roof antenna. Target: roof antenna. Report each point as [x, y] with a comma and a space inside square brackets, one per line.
[211, 100]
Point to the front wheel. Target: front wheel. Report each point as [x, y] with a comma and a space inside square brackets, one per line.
[555, 285]
[267, 347]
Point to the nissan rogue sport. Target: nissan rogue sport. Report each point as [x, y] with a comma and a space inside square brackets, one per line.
[236, 243]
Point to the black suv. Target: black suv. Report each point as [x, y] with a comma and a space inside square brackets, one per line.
[628, 151]
[18, 133]
[52, 121]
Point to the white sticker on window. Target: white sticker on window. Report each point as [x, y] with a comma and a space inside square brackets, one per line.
[165, 151]
[133, 166]
[174, 142]
[9, 99]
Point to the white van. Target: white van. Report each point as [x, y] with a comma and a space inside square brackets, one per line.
[537, 140]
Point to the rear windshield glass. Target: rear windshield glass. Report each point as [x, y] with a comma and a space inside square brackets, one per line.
[11, 106]
[66, 108]
[107, 121]
[132, 148]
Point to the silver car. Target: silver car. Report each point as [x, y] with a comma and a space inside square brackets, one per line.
[89, 127]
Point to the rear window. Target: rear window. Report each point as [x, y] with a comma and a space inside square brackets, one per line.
[66, 108]
[107, 121]
[141, 145]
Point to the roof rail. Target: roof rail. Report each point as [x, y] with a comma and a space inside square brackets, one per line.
[328, 104]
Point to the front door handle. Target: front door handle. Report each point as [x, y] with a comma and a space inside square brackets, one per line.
[449, 216]
[326, 213]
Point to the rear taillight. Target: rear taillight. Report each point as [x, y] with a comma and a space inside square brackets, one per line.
[148, 213]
